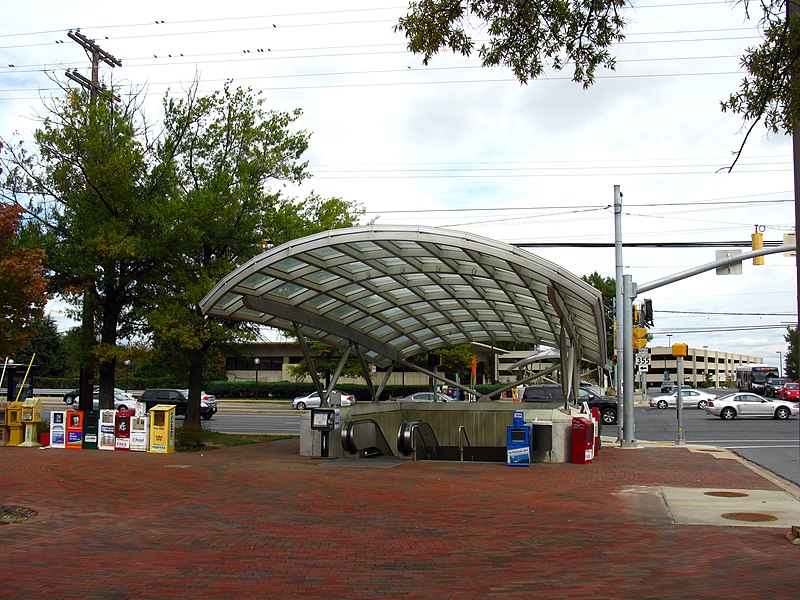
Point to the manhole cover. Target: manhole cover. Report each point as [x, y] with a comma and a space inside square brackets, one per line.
[726, 494]
[13, 514]
[750, 517]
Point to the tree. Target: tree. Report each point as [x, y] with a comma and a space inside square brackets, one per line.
[98, 197]
[22, 283]
[227, 149]
[791, 357]
[48, 345]
[524, 36]
[608, 288]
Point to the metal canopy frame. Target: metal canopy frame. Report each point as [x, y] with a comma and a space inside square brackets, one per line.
[393, 292]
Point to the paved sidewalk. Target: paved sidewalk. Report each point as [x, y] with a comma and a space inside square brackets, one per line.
[260, 522]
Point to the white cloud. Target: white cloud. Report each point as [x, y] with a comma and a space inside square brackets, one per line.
[393, 135]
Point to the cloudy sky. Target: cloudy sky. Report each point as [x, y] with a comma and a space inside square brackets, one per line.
[456, 145]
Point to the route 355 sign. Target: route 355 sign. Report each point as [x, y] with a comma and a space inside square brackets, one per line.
[643, 359]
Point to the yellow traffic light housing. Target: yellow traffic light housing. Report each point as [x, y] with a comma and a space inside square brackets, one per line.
[639, 337]
[757, 240]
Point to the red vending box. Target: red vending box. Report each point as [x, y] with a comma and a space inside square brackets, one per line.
[582, 440]
[75, 429]
[122, 429]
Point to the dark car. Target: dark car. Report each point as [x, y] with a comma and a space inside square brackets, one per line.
[553, 393]
[773, 386]
[178, 398]
[667, 387]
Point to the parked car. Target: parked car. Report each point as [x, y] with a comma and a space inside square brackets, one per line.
[667, 387]
[773, 386]
[790, 391]
[312, 400]
[71, 396]
[554, 393]
[690, 398]
[427, 397]
[178, 398]
[746, 404]
[122, 400]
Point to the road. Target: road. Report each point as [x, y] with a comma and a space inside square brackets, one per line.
[772, 444]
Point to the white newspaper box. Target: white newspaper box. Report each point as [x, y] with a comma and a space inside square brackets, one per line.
[106, 439]
[140, 432]
[58, 429]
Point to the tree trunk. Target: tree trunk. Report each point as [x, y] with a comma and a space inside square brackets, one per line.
[197, 360]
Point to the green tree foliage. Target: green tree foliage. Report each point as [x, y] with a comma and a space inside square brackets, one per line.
[767, 93]
[48, 345]
[100, 203]
[22, 284]
[608, 288]
[231, 156]
[791, 357]
[527, 36]
[522, 36]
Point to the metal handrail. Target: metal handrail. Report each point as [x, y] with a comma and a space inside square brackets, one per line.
[462, 436]
[414, 435]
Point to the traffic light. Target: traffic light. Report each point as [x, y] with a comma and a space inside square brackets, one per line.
[639, 337]
[757, 240]
[647, 313]
[636, 315]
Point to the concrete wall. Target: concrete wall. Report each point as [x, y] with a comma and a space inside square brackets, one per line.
[485, 424]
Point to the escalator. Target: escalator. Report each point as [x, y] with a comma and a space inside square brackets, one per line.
[365, 438]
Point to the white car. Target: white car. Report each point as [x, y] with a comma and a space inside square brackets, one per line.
[312, 400]
[745, 404]
[122, 400]
[690, 398]
[427, 397]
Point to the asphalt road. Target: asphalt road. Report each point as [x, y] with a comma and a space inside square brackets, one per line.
[772, 444]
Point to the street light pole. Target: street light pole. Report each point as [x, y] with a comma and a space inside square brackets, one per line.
[127, 368]
[780, 363]
[258, 362]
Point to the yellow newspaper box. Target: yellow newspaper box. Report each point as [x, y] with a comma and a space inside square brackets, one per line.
[31, 415]
[3, 422]
[16, 432]
[162, 428]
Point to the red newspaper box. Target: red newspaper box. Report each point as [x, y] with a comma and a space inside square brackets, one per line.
[122, 429]
[75, 429]
[582, 440]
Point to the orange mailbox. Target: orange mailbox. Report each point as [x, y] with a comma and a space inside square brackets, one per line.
[75, 429]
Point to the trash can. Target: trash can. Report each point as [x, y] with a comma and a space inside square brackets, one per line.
[542, 432]
[582, 440]
[162, 428]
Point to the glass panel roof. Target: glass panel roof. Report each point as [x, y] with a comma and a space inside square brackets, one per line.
[401, 290]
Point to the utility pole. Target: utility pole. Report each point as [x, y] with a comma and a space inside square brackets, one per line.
[86, 378]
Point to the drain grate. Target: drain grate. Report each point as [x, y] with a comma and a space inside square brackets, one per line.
[749, 517]
[726, 494]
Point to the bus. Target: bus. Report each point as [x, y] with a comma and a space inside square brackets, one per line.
[751, 378]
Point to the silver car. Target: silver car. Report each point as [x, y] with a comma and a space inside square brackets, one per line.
[746, 404]
[690, 398]
[312, 400]
[426, 397]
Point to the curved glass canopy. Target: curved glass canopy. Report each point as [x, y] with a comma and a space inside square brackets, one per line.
[398, 291]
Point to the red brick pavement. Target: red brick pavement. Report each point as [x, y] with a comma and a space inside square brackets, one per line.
[260, 521]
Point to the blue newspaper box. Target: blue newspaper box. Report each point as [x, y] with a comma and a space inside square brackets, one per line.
[518, 442]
